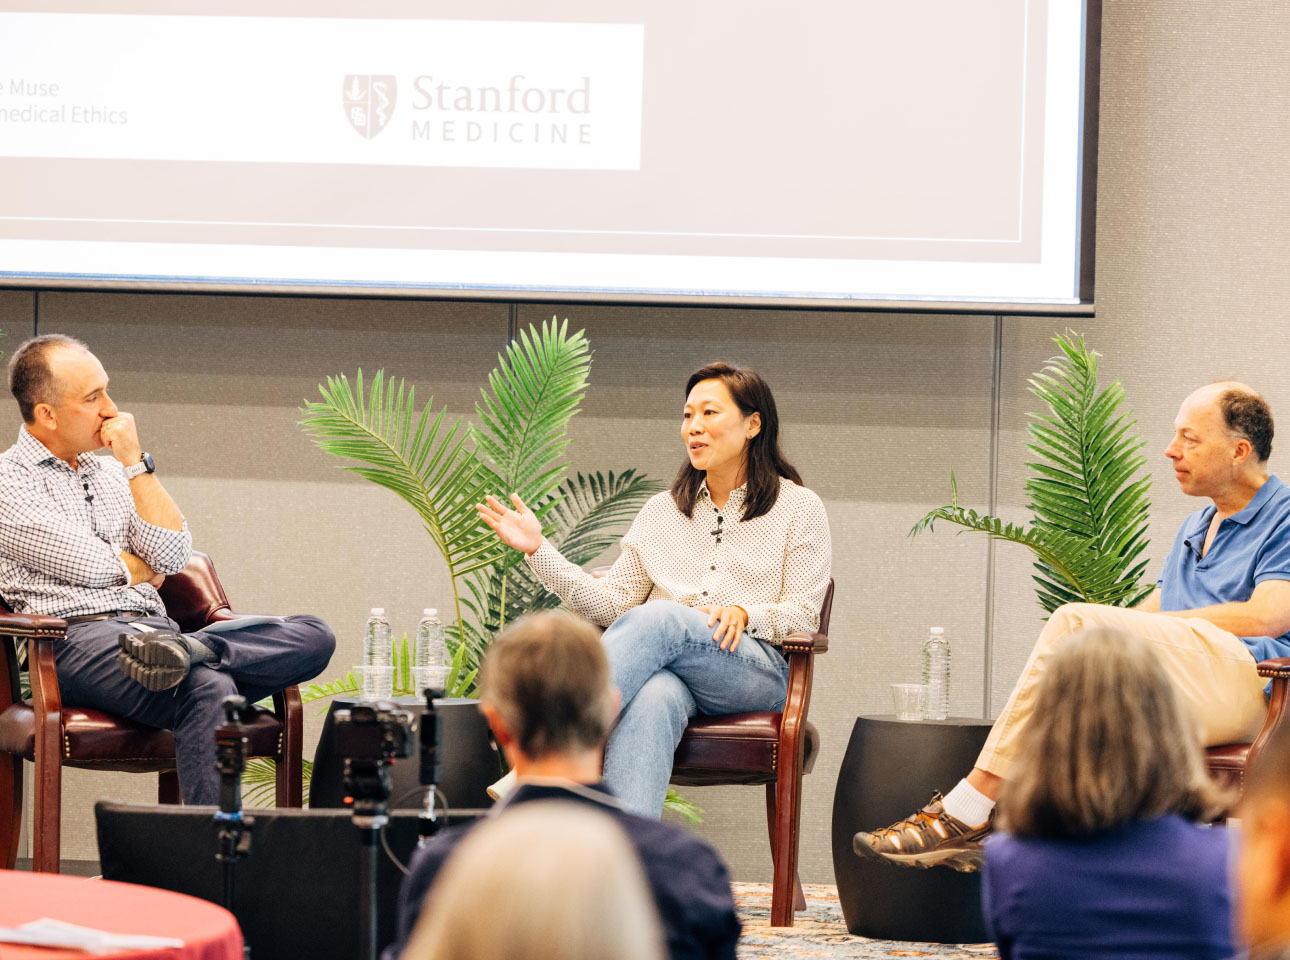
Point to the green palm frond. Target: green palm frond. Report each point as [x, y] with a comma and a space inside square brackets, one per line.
[589, 516]
[675, 803]
[434, 470]
[524, 417]
[260, 782]
[535, 391]
[1090, 514]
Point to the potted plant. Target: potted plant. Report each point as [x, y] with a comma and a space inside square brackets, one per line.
[1090, 511]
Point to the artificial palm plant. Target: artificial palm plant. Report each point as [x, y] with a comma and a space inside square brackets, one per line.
[442, 471]
[1090, 514]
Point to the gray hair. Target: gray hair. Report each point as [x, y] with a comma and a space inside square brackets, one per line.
[548, 677]
[1109, 742]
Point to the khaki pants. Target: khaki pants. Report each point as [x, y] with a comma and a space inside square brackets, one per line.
[1213, 671]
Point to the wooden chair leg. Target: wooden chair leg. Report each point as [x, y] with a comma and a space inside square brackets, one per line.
[787, 895]
[290, 769]
[168, 787]
[47, 815]
[289, 782]
[10, 809]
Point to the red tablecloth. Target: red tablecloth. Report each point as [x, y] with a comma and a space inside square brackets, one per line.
[209, 932]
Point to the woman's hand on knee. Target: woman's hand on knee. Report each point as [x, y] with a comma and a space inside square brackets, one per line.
[731, 622]
[518, 527]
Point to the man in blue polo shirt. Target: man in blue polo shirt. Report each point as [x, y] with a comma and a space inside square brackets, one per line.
[1222, 604]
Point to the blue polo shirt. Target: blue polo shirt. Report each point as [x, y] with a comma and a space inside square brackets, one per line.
[1250, 546]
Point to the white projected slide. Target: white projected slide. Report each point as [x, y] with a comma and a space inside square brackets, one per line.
[823, 151]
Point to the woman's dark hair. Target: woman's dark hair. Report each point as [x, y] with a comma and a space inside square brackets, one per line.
[766, 462]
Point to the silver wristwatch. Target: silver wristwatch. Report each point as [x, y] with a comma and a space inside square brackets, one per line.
[145, 465]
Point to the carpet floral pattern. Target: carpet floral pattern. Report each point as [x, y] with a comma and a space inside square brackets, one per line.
[821, 933]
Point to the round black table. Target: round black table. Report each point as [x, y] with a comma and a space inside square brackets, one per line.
[891, 769]
[467, 761]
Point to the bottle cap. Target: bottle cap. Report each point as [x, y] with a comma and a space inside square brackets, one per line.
[378, 611]
[430, 612]
[937, 630]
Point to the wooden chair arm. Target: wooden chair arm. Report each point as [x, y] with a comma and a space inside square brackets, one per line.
[800, 649]
[28, 625]
[805, 643]
[1278, 670]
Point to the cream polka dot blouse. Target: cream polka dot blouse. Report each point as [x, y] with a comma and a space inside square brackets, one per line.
[776, 567]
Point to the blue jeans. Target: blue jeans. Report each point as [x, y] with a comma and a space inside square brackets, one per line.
[667, 667]
[256, 662]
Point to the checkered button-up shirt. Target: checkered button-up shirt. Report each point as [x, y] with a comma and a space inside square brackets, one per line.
[776, 566]
[62, 533]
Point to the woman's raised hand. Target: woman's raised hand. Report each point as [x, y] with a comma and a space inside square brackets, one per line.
[517, 528]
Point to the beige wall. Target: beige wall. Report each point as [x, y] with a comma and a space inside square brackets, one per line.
[1192, 254]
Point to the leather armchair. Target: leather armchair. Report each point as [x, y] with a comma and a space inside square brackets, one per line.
[765, 747]
[1227, 763]
[54, 735]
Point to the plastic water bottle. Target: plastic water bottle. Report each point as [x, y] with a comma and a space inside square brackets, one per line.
[430, 661]
[377, 669]
[936, 673]
[378, 640]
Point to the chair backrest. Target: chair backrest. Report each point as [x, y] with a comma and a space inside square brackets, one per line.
[826, 609]
[194, 596]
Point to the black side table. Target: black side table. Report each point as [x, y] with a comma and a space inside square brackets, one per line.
[892, 767]
[467, 761]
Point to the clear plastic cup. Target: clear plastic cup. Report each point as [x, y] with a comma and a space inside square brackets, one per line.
[432, 677]
[909, 699]
[375, 683]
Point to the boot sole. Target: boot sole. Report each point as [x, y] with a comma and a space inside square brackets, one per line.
[153, 664]
[964, 860]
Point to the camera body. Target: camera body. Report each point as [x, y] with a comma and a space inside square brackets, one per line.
[373, 732]
[371, 737]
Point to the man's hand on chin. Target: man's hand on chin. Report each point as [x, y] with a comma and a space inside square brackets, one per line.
[120, 435]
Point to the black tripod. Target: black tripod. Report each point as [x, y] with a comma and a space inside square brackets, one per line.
[231, 743]
[370, 738]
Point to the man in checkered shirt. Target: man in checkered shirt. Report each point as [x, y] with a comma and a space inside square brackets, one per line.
[90, 538]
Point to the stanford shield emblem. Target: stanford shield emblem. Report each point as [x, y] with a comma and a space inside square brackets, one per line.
[369, 102]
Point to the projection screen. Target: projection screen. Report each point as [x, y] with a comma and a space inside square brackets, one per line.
[827, 152]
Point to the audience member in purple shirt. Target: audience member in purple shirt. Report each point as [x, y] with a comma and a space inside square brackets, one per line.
[1103, 850]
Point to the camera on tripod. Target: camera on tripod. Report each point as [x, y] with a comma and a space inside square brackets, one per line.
[371, 737]
[375, 732]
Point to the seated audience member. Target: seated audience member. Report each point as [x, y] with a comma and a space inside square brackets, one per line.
[1221, 605]
[544, 687]
[90, 538]
[551, 881]
[1102, 854]
[1263, 865]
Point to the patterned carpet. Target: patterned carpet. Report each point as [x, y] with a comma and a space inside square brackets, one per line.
[821, 932]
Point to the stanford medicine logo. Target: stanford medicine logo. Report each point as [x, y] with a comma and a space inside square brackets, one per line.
[369, 102]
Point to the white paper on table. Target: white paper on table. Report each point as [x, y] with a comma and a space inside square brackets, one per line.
[46, 932]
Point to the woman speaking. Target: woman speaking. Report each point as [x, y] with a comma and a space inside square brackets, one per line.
[713, 574]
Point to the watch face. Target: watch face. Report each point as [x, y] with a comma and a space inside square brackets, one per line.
[148, 465]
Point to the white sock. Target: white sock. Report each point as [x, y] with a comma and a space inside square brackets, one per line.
[968, 804]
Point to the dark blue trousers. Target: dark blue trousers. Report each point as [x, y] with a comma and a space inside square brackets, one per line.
[254, 662]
